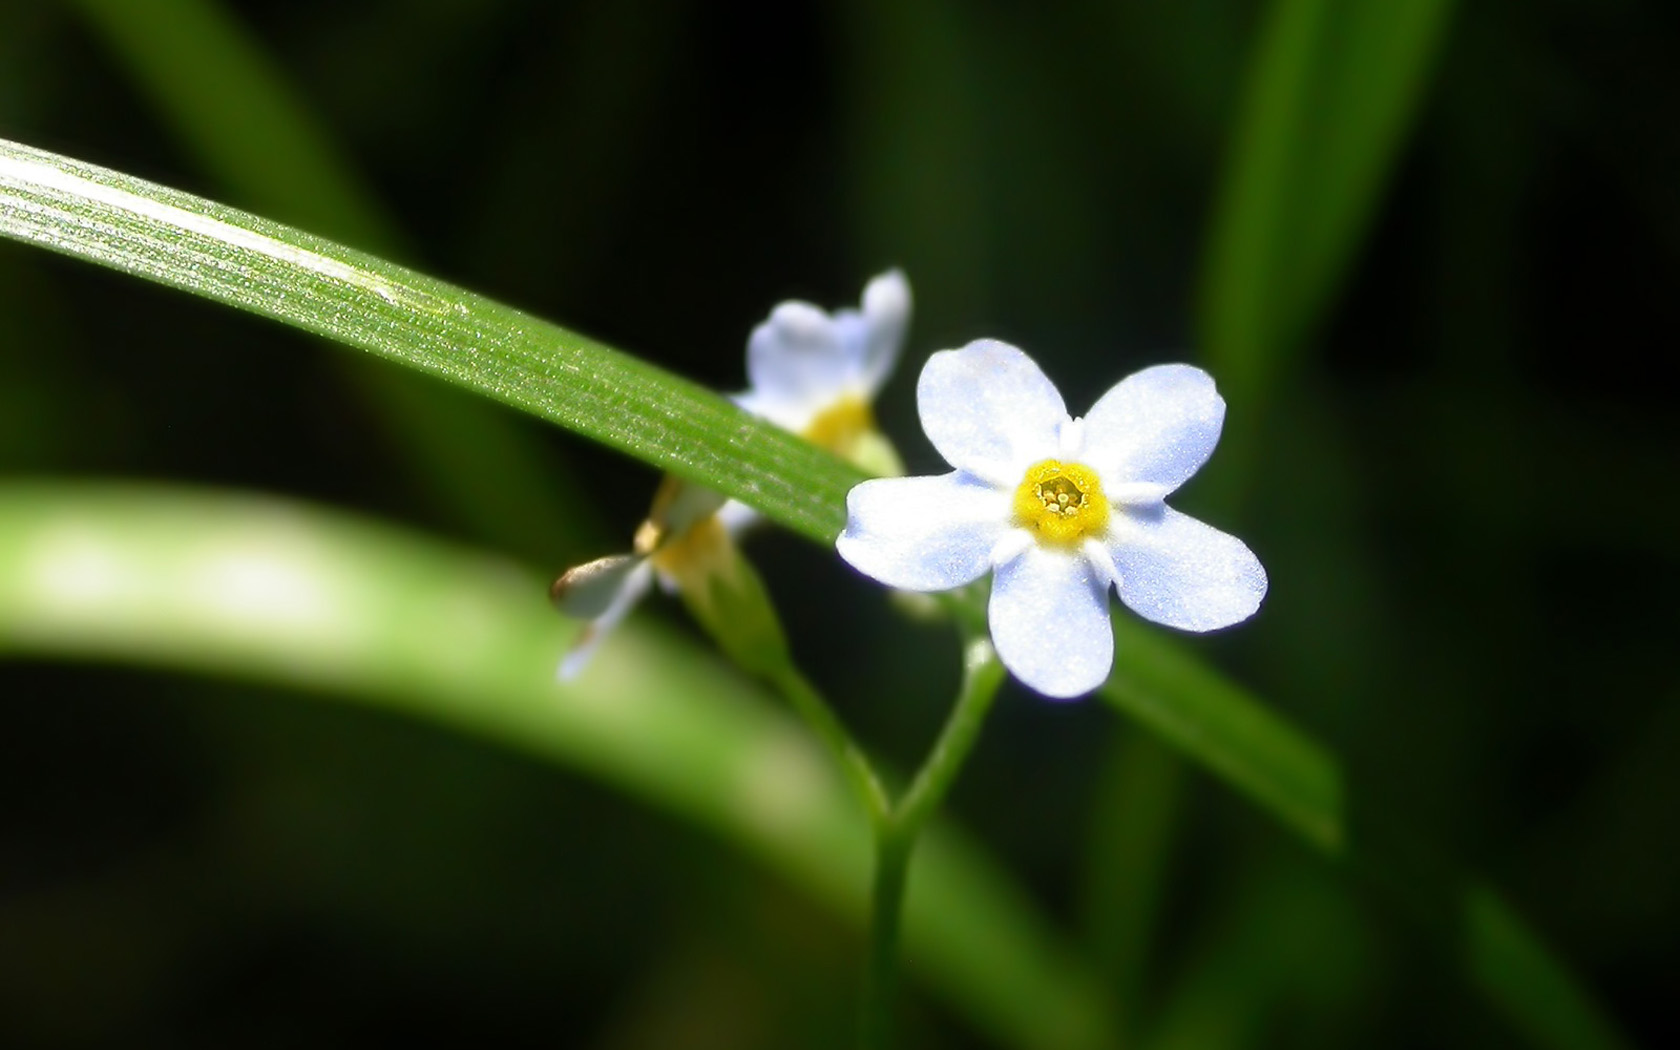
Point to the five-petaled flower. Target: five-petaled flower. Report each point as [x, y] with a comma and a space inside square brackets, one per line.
[810, 372]
[1060, 509]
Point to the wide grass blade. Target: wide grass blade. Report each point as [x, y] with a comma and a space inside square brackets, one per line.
[177, 239]
[265, 590]
[216, 89]
[1332, 89]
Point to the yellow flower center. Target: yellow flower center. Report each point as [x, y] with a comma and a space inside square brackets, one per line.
[692, 553]
[841, 426]
[1061, 503]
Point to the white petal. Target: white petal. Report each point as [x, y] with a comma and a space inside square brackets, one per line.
[923, 534]
[886, 317]
[735, 517]
[612, 586]
[679, 504]
[989, 410]
[796, 363]
[1181, 572]
[1049, 619]
[1158, 425]
[587, 591]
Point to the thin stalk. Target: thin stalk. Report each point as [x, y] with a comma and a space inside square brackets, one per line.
[899, 826]
[880, 977]
[982, 674]
[810, 705]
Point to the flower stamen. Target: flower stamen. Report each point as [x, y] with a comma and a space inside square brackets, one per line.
[1061, 503]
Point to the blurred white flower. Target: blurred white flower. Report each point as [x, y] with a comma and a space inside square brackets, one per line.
[817, 374]
[682, 535]
[811, 372]
[1059, 509]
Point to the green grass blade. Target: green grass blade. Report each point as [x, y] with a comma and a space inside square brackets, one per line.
[193, 244]
[215, 87]
[271, 591]
[1332, 89]
[1227, 730]
[1508, 962]
[1137, 804]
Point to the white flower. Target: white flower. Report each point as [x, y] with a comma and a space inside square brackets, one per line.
[804, 363]
[1060, 509]
[683, 533]
[816, 374]
[810, 372]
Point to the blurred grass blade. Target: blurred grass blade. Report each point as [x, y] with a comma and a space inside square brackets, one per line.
[1136, 805]
[1509, 962]
[278, 592]
[1230, 732]
[1332, 88]
[215, 86]
[910, 78]
[261, 266]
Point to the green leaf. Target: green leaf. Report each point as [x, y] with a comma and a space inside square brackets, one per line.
[214, 86]
[217, 89]
[273, 591]
[1229, 731]
[1332, 89]
[465, 339]
[1220, 725]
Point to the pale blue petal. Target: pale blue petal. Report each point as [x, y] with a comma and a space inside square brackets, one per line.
[990, 411]
[796, 363]
[1157, 426]
[1181, 572]
[886, 318]
[786, 412]
[679, 505]
[587, 591]
[923, 534]
[1049, 620]
[736, 517]
[602, 591]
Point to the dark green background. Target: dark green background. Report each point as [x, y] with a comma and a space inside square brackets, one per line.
[1462, 486]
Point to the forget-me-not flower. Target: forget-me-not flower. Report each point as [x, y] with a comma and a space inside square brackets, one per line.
[1059, 509]
[810, 372]
[817, 374]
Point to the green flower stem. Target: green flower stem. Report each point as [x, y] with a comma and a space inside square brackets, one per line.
[809, 705]
[897, 829]
[897, 823]
[880, 976]
[982, 674]
[735, 608]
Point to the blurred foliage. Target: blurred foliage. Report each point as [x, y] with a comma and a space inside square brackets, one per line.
[1484, 647]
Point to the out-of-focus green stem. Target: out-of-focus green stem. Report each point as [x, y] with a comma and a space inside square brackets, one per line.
[816, 712]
